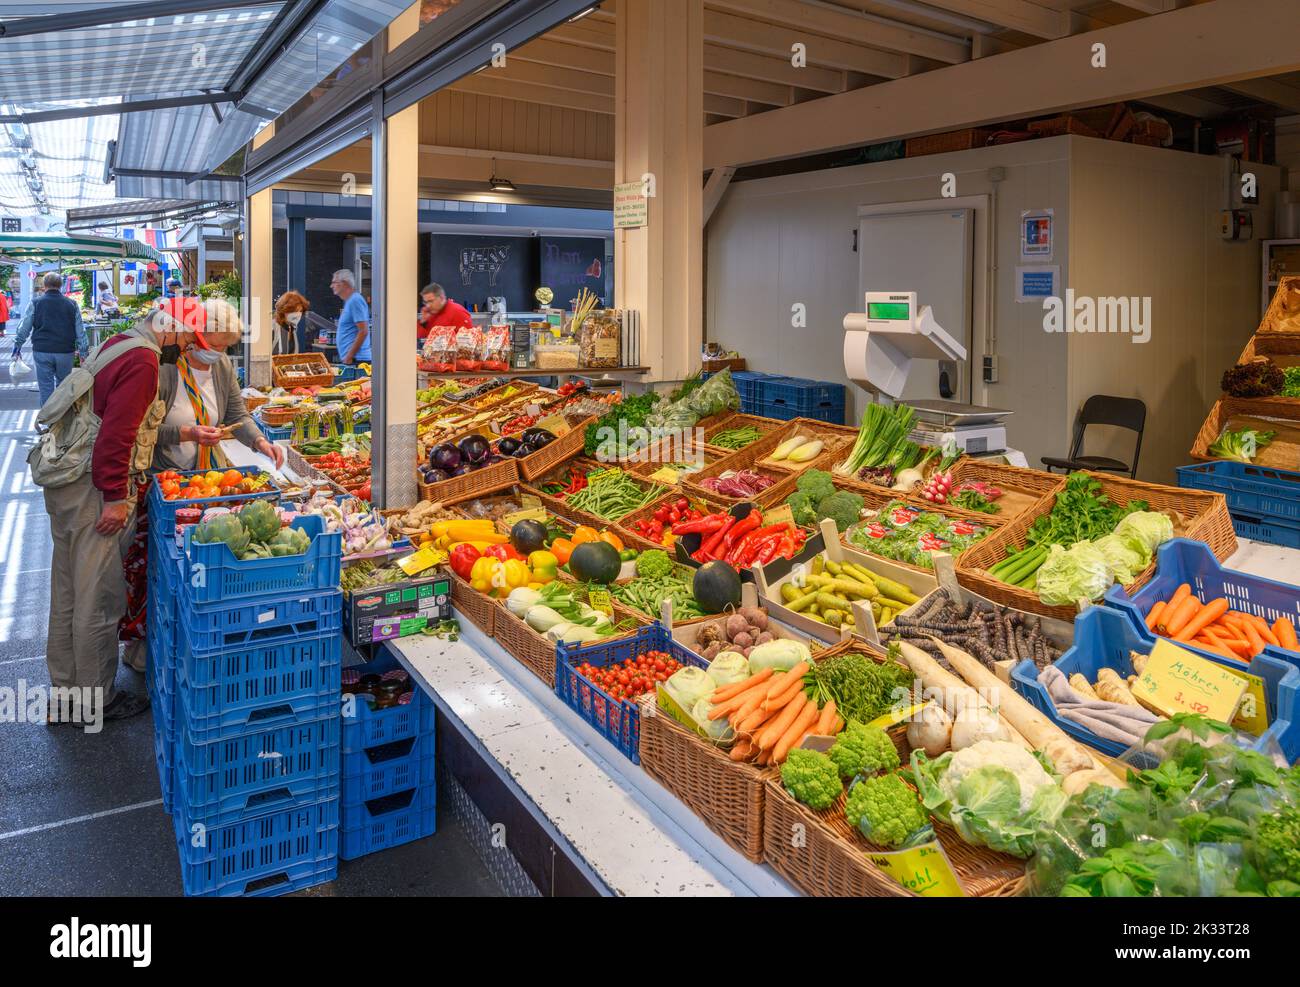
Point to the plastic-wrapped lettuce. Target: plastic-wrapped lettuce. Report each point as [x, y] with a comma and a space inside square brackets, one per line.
[1125, 556]
[1151, 528]
[716, 394]
[1080, 572]
[728, 667]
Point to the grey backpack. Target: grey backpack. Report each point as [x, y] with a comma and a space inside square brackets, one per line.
[68, 423]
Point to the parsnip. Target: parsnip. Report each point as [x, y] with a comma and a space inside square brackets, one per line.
[1080, 685]
[1114, 689]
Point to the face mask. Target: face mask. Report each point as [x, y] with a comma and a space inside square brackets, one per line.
[203, 356]
[293, 318]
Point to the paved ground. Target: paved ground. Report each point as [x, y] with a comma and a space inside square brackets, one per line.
[81, 814]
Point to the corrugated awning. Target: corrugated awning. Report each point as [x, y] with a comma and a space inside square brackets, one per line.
[72, 248]
[143, 212]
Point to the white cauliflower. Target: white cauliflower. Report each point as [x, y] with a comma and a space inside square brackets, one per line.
[1000, 754]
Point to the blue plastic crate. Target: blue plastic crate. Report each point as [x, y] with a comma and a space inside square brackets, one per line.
[1269, 530]
[803, 396]
[617, 720]
[1182, 560]
[274, 433]
[222, 578]
[1256, 491]
[162, 513]
[163, 747]
[364, 728]
[780, 412]
[1103, 638]
[343, 373]
[241, 775]
[242, 687]
[389, 821]
[265, 620]
[268, 855]
[379, 771]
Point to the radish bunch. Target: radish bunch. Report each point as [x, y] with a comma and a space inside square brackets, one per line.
[937, 488]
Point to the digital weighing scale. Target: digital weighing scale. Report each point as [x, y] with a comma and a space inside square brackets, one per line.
[879, 347]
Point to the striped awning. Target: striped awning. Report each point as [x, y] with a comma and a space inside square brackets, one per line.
[72, 248]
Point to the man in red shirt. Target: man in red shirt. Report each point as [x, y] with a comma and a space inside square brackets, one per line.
[91, 518]
[439, 310]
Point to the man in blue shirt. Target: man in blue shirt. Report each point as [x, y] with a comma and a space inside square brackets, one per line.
[353, 338]
[54, 324]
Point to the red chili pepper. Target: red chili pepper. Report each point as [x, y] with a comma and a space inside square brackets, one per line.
[786, 547]
[703, 525]
[751, 521]
[711, 544]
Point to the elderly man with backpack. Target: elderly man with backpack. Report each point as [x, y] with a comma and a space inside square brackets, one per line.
[99, 429]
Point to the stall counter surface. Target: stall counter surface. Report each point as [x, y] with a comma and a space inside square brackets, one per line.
[626, 832]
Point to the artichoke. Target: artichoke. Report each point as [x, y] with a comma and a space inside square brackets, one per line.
[289, 541]
[261, 519]
[223, 528]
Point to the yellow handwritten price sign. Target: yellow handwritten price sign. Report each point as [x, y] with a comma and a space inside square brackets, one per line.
[530, 502]
[600, 476]
[924, 870]
[1177, 681]
[425, 558]
[665, 474]
[599, 599]
[1252, 714]
[557, 425]
[537, 513]
[781, 514]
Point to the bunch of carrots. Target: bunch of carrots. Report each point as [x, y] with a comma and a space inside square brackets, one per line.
[1218, 628]
[771, 714]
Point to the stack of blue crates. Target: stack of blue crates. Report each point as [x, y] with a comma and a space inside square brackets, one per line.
[389, 790]
[795, 397]
[244, 668]
[1264, 502]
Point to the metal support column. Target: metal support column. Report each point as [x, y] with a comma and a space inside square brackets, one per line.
[383, 362]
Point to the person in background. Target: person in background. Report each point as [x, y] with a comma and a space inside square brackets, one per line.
[353, 339]
[91, 517]
[204, 406]
[439, 310]
[107, 305]
[291, 316]
[54, 324]
[4, 310]
[173, 288]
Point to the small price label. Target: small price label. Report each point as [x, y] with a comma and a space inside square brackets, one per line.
[417, 562]
[924, 870]
[530, 502]
[599, 599]
[781, 514]
[557, 425]
[598, 476]
[665, 474]
[1252, 713]
[1177, 681]
[538, 513]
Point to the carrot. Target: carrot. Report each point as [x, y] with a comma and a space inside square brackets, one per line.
[1180, 594]
[736, 688]
[1177, 620]
[741, 750]
[806, 718]
[780, 701]
[764, 757]
[827, 719]
[1285, 631]
[1154, 614]
[777, 728]
[1218, 649]
[1208, 614]
[1265, 631]
[738, 701]
[750, 725]
[780, 685]
[1252, 635]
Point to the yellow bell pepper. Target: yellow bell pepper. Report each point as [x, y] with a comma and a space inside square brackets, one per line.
[515, 574]
[480, 577]
[544, 564]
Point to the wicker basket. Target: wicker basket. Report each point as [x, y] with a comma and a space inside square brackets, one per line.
[741, 459]
[765, 425]
[564, 448]
[1283, 315]
[1204, 516]
[322, 377]
[474, 483]
[726, 794]
[279, 415]
[830, 859]
[629, 534]
[479, 609]
[252, 404]
[1022, 488]
[533, 650]
[1278, 414]
[954, 140]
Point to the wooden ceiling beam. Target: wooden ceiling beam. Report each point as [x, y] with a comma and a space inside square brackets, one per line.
[734, 31]
[488, 85]
[1269, 91]
[1016, 15]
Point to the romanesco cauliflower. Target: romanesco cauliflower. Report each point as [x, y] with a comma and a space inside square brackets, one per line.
[885, 810]
[863, 749]
[811, 778]
[653, 564]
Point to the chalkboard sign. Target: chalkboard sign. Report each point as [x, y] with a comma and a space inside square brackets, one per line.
[571, 263]
[473, 268]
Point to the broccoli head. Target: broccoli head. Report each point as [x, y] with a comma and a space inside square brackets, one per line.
[842, 507]
[803, 509]
[653, 564]
[811, 778]
[1277, 845]
[816, 484]
[1256, 379]
[885, 810]
[862, 750]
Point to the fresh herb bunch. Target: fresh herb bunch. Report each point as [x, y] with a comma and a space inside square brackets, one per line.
[863, 689]
[973, 500]
[1291, 389]
[634, 411]
[1082, 513]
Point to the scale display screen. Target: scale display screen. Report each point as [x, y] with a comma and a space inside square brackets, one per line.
[894, 311]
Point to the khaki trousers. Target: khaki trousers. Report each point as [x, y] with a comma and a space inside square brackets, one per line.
[87, 589]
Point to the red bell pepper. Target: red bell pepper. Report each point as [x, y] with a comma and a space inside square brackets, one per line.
[710, 546]
[504, 552]
[462, 560]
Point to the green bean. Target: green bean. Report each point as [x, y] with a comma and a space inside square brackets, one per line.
[736, 438]
[613, 497]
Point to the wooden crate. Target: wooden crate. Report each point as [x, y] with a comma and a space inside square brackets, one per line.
[323, 376]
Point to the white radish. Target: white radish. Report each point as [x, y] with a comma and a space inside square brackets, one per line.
[951, 692]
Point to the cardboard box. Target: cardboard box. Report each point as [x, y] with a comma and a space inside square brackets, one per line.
[393, 610]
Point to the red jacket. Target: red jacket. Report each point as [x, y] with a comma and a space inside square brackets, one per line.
[452, 314]
[123, 392]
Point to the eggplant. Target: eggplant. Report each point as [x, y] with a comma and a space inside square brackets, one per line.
[540, 441]
[462, 469]
[444, 456]
[508, 445]
[475, 448]
[434, 475]
[494, 458]
[530, 435]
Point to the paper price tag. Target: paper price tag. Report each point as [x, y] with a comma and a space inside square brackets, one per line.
[1252, 714]
[923, 869]
[1177, 681]
[417, 562]
[600, 475]
[530, 502]
[538, 513]
[557, 425]
[781, 514]
[665, 474]
[599, 599]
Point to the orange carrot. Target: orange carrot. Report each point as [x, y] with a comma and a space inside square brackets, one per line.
[806, 718]
[1252, 635]
[736, 688]
[780, 685]
[1285, 631]
[1182, 613]
[1180, 594]
[751, 724]
[796, 688]
[741, 750]
[777, 728]
[764, 757]
[754, 694]
[1265, 631]
[1218, 649]
[1208, 614]
[827, 719]
[1154, 614]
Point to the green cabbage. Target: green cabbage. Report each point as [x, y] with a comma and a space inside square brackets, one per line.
[1081, 572]
[1150, 528]
[1126, 556]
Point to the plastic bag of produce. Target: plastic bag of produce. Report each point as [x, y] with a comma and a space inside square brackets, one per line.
[716, 394]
